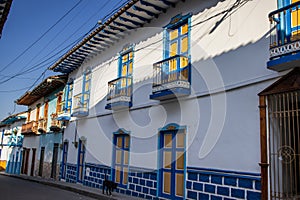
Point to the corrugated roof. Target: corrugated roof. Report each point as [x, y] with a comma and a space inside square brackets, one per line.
[133, 15]
[4, 10]
[49, 85]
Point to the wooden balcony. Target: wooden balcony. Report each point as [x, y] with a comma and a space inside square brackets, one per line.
[55, 124]
[42, 125]
[285, 38]
[29, 128]
[119, 94]
[171, 78]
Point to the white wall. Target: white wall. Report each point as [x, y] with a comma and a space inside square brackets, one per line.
[222, 127]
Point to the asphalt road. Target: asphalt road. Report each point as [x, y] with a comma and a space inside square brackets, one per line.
[17, 189]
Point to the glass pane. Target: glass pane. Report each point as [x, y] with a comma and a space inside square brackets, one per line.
[179, 140]
[184, 44]
[118, 156]
[184, 29]
[173, 34]
[124, 70]
[168, 140]
[130, 55]
[87, 86]
[130, 69]
[183, 62]
[126, 142]
[119, 142]
[179, 185]
[167, 182]
[125, 58]
[173, 49]
[180, 160]
[126, 157]
[125, 175]
[167, 159]
[173, 65]
[118, 174]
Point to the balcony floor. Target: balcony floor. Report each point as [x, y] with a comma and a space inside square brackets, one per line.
[284, 62]
[170, 93]
[118, 105]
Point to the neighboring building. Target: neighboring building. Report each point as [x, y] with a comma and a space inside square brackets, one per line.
[4, 10]
[42, 132]
[11, 143]
[164, 101]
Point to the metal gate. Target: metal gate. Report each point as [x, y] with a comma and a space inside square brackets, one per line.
[284, 150]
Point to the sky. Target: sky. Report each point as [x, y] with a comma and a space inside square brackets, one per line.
[35, 35]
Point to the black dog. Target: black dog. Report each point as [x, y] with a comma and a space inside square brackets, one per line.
[109, 185]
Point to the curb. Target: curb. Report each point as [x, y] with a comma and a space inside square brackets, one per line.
[64, 187]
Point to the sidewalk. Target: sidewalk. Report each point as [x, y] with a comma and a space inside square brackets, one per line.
[77, 188]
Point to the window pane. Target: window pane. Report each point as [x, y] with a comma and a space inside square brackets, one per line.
[184, 29]
[183, 62]
[130, 55]
[118, 156]
[173, 49]
[168, 140]
[119, 142]
[87, 86]
[180, 160]
[124, 70]
[173, 34]
[126, 142]
[167, 159]
[184, 44]
[126, 157]
[179, 184]
[173, 65]
[130, 69]
[118, 174]
[180, 140]
[167, 182]
[125, 175]
[125, 58]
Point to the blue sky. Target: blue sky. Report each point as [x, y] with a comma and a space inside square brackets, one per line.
[34, 33]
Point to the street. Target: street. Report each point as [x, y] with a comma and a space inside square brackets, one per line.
[17, 189]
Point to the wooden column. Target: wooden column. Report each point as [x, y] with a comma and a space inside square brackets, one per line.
[263, 148]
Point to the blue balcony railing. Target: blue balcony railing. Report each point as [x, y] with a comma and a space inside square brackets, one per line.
[285, 37]
[119, 93]
[171, 78]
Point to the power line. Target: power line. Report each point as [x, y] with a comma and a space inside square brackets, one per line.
[14, 60]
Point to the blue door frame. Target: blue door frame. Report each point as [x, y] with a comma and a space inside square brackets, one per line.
[64, 160]
[176, 167]
[120, 161]
[80, 162]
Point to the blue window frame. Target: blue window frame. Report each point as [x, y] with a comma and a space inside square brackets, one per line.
[80, 161]
[120, 161]
[125, 70]
[64, 159]
[177, 42]
[172, 162]
[68, 97]
[86, 87]
[126, 62]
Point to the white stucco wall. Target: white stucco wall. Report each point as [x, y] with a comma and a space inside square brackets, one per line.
[221, 114]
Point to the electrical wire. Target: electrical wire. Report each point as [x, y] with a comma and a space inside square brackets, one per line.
[30, 46]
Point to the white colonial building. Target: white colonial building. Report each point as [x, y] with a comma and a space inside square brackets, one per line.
[163, 98]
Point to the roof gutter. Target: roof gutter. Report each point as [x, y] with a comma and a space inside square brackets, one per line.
[96, 31]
